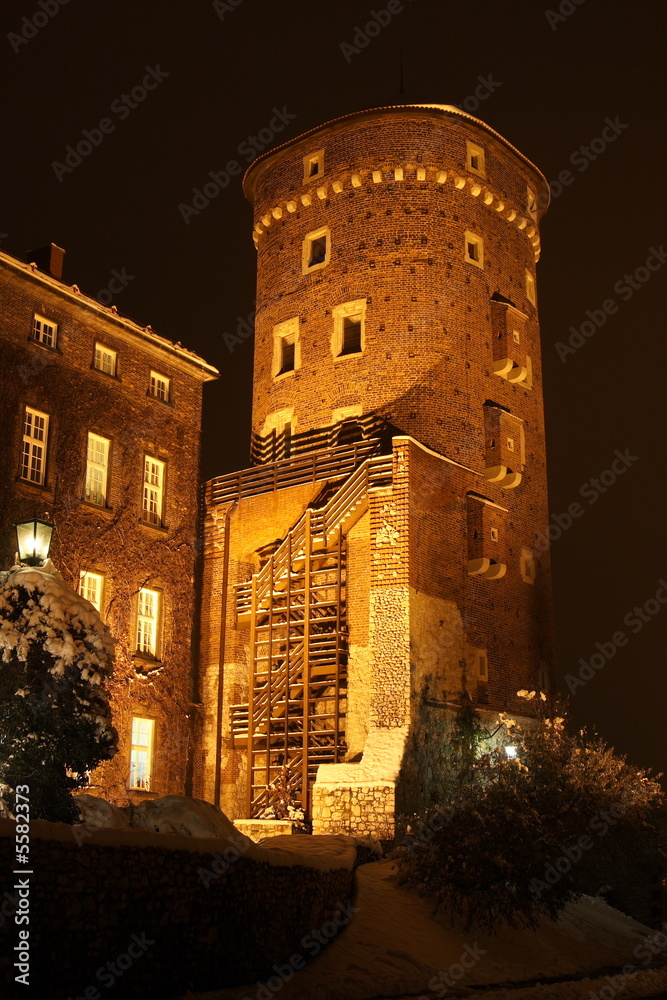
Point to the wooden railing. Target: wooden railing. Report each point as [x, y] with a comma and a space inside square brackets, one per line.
[329, 464]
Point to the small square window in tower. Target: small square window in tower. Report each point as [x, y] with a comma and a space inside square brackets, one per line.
[313, 165]
[485, 537]
[473, 249]
[475, 159]
[316, 250]
[286, 347]
[531, 203]
[349, 320]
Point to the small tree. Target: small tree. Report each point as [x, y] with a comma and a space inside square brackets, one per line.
[55, 721]
[520, 836]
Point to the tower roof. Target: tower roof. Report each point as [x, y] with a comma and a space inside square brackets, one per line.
[446, 110]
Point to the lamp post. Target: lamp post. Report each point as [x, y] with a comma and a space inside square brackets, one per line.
[34, 541]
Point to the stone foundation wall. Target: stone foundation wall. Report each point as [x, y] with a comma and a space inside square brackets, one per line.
[366, 810]
[166, 919]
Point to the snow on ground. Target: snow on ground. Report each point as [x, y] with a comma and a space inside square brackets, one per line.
[396, 947]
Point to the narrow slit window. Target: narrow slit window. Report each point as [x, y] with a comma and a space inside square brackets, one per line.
[288, 356]
[351, 335]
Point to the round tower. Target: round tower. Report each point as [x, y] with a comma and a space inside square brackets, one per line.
[396, 280]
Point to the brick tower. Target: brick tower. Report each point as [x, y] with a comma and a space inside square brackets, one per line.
[382, 553]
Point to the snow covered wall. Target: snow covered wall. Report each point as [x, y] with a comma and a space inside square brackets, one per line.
[191, 912]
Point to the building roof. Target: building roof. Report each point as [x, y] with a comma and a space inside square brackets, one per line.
[205, 371]
[449, 110]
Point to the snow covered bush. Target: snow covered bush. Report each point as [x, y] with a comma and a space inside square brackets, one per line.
[56, 657]
[517, 837]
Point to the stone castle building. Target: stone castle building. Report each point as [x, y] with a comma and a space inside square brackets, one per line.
[100, 436]
[380, 556]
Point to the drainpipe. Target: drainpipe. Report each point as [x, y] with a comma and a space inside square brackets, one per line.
[221, 657]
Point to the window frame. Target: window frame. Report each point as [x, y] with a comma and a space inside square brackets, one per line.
[478, 152]
[154, 650]
[341, 312]
[36, 336]
[289, 328]
[531, 290]
[34, 443]
[84, 576]
[316, 234]
[159, 488]
[141, 784]
[155, 377]
[308, 161]
[92, 465]
[105, 349]
[477, 242]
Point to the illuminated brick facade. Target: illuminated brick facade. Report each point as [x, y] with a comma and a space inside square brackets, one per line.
[105, 413]
[396, 308]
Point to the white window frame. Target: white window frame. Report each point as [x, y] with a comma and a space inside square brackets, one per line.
[101, 353]
[149, 621]
[34, 446]
[44, 331]
[97, 469]
[152, 504]
[473, 151]
[154, 387]
[310, 238]
[347, 310]
[142, 752]
[310, 160]
[287, 331]
[472, 239]
[91, 587]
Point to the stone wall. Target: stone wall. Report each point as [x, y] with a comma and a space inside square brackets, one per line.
[166, 918]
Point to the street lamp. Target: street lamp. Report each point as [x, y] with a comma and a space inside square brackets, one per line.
[34, 541]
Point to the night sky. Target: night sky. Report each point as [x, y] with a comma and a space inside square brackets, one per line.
[559, 76]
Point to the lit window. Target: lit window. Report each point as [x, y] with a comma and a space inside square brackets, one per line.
[35, 440]
[44, 331]
[97, 470]
[313, 165]
[148, 619]
[105, 359]
[91, 586]
[286, 347]
[349, 328]
[160, 386]
[316, 250]
[475, 159]
[153, 490]
[530, 288]
[141, 753]
[473, 249]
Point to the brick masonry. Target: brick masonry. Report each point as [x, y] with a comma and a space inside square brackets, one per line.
[110, 540]
[398, 197]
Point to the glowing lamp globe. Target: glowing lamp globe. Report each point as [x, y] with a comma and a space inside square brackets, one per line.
[34, 541]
